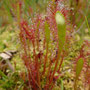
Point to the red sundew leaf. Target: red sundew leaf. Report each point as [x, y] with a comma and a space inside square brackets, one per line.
[31, 10]
[51, 11]
[20, 4]
[47, 36]
[30, 35]
[87, 77]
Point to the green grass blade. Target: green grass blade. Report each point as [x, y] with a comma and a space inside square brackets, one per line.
[87, 24]
[18, 13]
[62, 84]
[7, 7]
[2, 74]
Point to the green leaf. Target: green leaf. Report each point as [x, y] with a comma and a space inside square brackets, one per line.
[26, 3]
[60, 20]
[7, 7]
[87, 24]
[36, 1]
[62, 84]
[18, 12]
[47, 32]
[29, 3]
[79, 67]
[2, 74]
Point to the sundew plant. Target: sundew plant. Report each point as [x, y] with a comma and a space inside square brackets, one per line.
[45, 42]
[43, 47]
[47, 39]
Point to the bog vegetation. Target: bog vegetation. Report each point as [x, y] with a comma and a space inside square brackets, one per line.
[44, 45]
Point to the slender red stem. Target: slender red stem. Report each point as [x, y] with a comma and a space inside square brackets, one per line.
[56, 64]
[46, 58]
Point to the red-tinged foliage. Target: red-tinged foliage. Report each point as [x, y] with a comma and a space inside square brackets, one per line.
[51, 11]
[26, 29]
[31, 10]
[33, 33]
[86, 67]
[37, 56]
